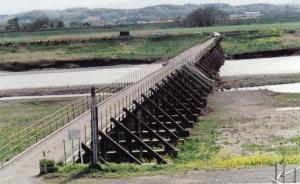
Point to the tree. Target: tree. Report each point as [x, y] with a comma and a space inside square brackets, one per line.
[205, 17]
[13, 24]
[60, 24]
[41, 23]
[75, 24]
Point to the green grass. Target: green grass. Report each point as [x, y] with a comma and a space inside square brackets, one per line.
[288, 99]
[143, 48]
[15, 116]
[246, 42]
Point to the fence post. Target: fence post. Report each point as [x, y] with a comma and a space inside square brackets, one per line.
[84, 134]
[65, 152]
[82, 103]
[80, 151]
[28, 140]
[62, 120]
[36, 134]
[78, 108]
[87, 103]
[73, 111]
[295, 175]
[283, 172]
[276, 171]
[73, 159]
[10, 150]
[1, 159]
[68, 116]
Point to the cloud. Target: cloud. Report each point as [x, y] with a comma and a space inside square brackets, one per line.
[14, 6]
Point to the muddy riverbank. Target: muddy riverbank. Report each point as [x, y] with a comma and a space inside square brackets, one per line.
[67, 64]
[230, 82]
[80, 89]
[266, 54]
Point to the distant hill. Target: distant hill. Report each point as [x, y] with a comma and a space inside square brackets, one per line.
[101, 16]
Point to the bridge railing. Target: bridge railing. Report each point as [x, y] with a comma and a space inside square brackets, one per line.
[25, 138]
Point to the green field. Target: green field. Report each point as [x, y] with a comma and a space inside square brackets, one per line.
[237, 39]
[104, 32]
[141, 48]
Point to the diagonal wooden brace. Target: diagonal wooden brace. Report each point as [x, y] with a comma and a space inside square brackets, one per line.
[180, 95]
[184, 119]
[159, 159]
[175, 99]
[173, 137]
[178, 127]
[90, 152]
[119, 147]
[195, 100]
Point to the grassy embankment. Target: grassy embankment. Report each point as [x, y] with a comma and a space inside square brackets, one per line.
[199, 152]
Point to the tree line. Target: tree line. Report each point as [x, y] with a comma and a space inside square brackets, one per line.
[40, 23]
[202, 17]
[43, 23]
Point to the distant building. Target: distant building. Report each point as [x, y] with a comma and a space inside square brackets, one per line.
[253, 14]
[246, 15]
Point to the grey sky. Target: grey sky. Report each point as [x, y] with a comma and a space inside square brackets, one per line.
[13, 6]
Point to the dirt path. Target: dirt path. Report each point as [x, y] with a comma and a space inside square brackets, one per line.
[261, 175]
[249, 175]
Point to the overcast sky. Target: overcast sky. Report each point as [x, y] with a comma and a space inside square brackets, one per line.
[15, 6]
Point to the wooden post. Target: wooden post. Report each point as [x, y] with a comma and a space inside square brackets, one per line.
[65, 152]
[72, 144]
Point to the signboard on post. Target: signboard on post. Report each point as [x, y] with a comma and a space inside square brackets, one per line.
[74, 134]
[94, 127]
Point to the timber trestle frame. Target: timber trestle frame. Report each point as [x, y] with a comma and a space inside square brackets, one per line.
[154, 125]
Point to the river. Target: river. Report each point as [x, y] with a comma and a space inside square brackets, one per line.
[264, 66]
[67, 77]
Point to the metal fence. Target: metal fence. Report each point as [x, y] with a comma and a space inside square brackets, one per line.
[285, 176]
[25, 138]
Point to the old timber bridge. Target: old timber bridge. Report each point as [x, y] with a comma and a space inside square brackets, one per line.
[140, 117]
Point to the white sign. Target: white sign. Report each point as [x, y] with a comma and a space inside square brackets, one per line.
[74, 134]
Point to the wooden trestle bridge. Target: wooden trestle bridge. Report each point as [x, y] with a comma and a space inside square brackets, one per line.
[141, 119]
